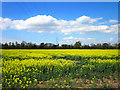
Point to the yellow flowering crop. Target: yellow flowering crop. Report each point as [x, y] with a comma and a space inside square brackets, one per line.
[25, 67]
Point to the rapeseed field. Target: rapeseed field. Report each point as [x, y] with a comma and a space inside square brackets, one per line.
[60, 68]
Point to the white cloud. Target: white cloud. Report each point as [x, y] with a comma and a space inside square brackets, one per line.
[113, 21]
[113, 29]
[103, 22]
[4, 23]
[113, 40]
[72, 39]
[110, 21]
[67, 33]
[68, 38]
[40, 23]
[43, 24]
[87, 19]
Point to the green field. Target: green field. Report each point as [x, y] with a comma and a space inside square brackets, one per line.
[60, 68]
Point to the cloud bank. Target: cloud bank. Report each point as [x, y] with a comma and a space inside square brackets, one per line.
[72, 40]
[113, 21]
[49, 24]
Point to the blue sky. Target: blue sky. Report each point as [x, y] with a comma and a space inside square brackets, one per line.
[88, 22]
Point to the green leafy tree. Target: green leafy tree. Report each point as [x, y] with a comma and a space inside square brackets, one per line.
[105, 45]
[64, 46]
[77, 44]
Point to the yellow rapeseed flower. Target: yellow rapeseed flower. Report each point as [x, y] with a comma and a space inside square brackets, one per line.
[20, 82]
[64, 80]
[26, 85]
[56, 85]
[35, 80]
[29, 81]
[92, 82]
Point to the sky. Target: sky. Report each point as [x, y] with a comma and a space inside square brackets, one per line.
[60, 22]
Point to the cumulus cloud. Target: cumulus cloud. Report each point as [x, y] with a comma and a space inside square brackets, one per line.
[4, 23]
[103, 22]
[87, 19]
[76, 38]
[113, 40]
[113, 21]
[44, 23]
[110, 21]
[40, 23]
[113, 29]
[72, 39]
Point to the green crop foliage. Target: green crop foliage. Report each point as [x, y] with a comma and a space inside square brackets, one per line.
[25, 68]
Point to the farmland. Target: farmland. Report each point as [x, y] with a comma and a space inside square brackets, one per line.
[60, 68]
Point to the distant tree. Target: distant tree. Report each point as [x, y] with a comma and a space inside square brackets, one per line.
[77, 44]
[55, 46]
[46, 45]
[50, 45]
[86, 46]
[13, 46]
[42, 45]
[119, 45]
[93, 46]
[34, 46]
[70, 46]
[29, 45]
[16, 42]
[23, 43]
[5, 46]
[64, 46]
[0, 46]
[10, 45]
[116, 45]
[105, 45]
[98, 46]
[17, 45]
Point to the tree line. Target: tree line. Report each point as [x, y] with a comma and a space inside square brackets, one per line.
[77, 45]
